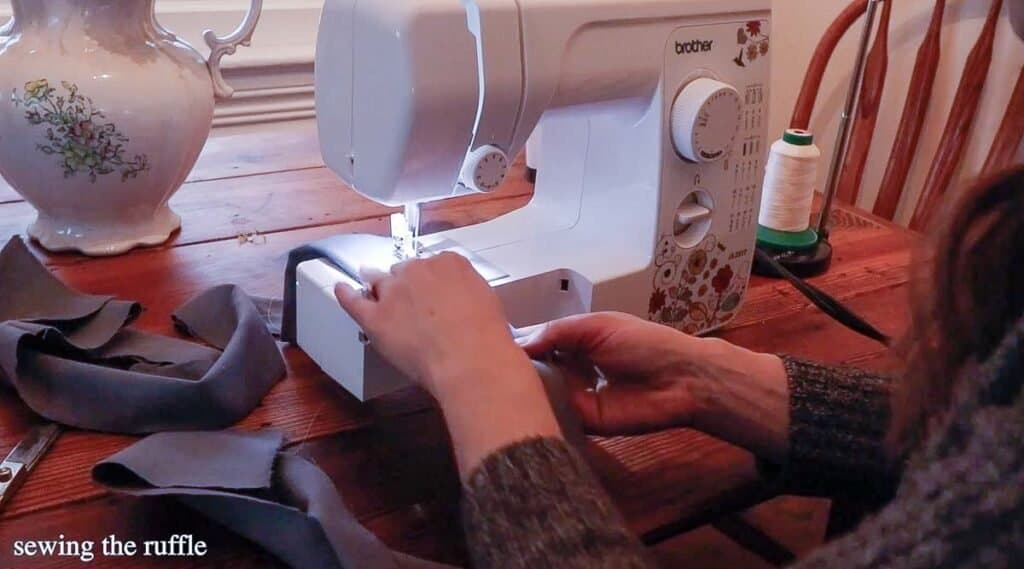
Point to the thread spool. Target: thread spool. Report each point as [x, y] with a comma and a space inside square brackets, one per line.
[788, 193]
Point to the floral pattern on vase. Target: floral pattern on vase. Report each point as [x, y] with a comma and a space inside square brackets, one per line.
[75, 132]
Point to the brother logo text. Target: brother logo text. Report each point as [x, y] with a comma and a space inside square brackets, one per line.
[694, 46]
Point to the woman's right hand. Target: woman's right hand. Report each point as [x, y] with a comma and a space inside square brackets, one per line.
[657, 378]
[651, 372]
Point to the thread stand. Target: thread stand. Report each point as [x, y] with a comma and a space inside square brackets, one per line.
[784, 235]
[804, 263]
[807, 256]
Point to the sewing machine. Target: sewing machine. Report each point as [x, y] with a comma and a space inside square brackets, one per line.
[654, 117]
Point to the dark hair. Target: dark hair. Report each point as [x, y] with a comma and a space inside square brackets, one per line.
[972, 291]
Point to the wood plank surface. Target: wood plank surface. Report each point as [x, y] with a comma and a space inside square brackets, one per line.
[234, 208]
[391, 458]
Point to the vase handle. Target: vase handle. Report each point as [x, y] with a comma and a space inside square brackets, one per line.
[221, 46]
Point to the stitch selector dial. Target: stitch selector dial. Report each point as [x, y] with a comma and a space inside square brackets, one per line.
[705, 120]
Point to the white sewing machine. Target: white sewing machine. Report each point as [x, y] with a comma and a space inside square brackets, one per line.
[653, 115]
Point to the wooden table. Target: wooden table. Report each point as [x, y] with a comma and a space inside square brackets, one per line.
[254, 197]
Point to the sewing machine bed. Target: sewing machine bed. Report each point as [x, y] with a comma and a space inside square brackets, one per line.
[254, 197]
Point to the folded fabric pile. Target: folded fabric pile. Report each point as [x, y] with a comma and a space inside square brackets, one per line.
[72, 358]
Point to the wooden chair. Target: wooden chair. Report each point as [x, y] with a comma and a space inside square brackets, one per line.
[958, 127]
[845, 515]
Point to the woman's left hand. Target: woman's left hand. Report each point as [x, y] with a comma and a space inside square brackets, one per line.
[435, 319]
[443, 326]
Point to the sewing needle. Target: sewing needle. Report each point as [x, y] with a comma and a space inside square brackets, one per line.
[405, 231]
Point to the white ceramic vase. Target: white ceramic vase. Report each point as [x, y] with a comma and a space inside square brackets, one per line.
[103, 114]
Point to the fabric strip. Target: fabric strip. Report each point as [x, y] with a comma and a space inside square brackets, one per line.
[280, 501]
[329, 250]
[71, 358]
[244, 481]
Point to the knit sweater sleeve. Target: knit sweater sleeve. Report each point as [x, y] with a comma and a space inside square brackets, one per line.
[960, 504]
[839, 418]
[536, 504]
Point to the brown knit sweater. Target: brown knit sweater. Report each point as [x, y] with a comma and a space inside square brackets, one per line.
[958, 503]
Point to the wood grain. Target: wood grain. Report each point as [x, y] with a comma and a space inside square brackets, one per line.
[958, 126]
[271, 203]
[1011, 130]
[919, 97]
[391, 458]
[286, 147]
[866, 116]
[819, 63]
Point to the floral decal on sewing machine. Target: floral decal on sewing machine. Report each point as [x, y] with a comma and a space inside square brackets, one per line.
[752, 41]
[76, 132]
[697, 294]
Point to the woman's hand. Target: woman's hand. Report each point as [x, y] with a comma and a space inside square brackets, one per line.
[651, 377]
[657, 378]
[434, 319]
[441, 324]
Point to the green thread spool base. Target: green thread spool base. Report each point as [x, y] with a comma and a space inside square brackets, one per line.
[795, 241]
[805, 253]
